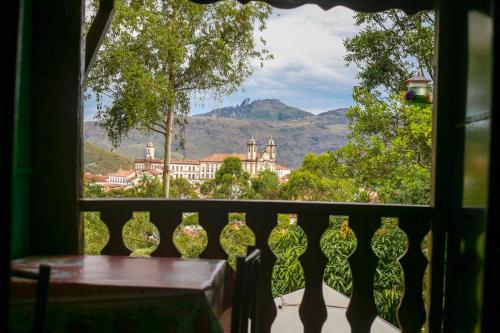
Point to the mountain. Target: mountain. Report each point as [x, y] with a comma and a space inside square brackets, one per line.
[296, 134]
[337, 116]
[264, 109]
[101, 161]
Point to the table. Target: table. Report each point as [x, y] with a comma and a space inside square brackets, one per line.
[125, 294]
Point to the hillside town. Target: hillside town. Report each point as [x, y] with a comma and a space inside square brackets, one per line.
[195, 171]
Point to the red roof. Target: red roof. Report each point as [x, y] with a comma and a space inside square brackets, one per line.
[184, 162]
[125, 173]
[222, 157]
[96, 178]
[160, 161]
[281, 167]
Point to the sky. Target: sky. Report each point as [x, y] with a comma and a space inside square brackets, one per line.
[308, 70]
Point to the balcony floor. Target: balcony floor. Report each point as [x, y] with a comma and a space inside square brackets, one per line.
[288, 320]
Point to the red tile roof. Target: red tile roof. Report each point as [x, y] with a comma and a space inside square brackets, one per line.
[281, 167]
[184, 162]
[96, 178]
[160, 161]
[222, 157]
[125, 173]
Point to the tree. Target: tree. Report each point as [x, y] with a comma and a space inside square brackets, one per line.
[148, 187]
[266, 185]
[159, 54]
[93, 190]
[320, 178]
[230, 182]
[389, 150]
[391, 48]
[183, 189]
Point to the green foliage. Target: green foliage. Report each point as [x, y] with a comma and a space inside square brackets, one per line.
[230, 182]
[337, 243]
[140, 236]
[389, 149]
[390, 48]
[148, 187]
[266, 185]
[235, 237]
[190, 238]
[287, 241]
[93, 190]
[164, 51]
[321, 178]
[96, 234]
[182, 189]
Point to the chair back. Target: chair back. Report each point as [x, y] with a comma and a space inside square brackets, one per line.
[247, 293]
[42, 293]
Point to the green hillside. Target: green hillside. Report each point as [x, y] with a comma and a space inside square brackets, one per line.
[99, 161]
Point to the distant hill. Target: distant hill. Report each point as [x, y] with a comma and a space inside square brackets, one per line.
[296, 134]
[100, 161]
[264, 109]
[337, 116]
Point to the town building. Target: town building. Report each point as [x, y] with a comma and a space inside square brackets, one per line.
[205, 168]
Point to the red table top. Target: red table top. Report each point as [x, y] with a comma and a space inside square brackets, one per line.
[146, 289]
[128, 272]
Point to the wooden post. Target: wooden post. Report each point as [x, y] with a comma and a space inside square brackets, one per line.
[57, 71]
[8, 39]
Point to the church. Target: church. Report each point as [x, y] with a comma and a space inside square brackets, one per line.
[253, 162]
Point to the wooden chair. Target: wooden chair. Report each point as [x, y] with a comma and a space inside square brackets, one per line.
[42, 291]
[247, 293]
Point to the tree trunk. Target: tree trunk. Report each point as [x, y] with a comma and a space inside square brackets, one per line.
[170, 118]
[168, 150]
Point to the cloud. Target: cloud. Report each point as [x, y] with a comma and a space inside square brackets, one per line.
[311, 40]
[308, 70]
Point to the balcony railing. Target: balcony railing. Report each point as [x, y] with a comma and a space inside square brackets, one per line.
[313, 218]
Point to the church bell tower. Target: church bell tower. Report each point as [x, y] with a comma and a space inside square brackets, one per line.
[271, 147]
[251, 149]
[150, 151]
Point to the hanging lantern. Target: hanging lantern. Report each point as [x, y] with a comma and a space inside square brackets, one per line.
[418, 90]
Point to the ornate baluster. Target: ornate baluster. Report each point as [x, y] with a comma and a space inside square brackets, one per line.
[166, 221]
[362, 311]
[411, 312]
[312, 310]
[262, 223]
[115, 219]
[213, 222]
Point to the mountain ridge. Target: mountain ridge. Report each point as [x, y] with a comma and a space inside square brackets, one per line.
[270, 109]
[228, 132]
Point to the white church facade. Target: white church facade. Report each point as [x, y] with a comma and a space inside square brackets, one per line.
[205, 168]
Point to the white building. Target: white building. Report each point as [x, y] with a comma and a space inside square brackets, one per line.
[253, 162]
[124, 178]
